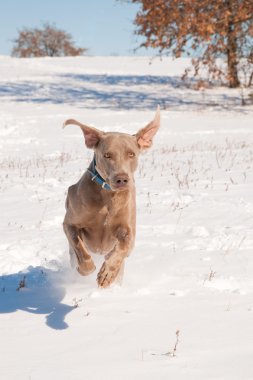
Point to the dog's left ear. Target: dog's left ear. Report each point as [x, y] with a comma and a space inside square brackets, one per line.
[145, 135]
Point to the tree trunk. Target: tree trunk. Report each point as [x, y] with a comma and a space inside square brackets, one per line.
[232, 55]
[250, 79]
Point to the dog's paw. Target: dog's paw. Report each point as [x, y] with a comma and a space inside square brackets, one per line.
[107, 275]
[87, 267]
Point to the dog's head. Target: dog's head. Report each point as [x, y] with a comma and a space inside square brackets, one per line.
[117, 153]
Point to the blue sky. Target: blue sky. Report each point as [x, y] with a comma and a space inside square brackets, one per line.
[105, 27]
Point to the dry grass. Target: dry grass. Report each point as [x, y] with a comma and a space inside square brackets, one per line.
[200, 165]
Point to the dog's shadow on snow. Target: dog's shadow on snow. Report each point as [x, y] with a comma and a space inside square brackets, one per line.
[36, 291]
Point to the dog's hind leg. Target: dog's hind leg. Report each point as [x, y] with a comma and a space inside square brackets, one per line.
[73, 258]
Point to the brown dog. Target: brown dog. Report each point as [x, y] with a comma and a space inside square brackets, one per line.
[100, 207]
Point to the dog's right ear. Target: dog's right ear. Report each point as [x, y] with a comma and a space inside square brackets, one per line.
[91, 135]
[145, 135]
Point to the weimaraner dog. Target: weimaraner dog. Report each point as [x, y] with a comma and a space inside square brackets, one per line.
[100, 207]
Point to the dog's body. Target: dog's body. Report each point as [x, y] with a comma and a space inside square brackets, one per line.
[100, 208]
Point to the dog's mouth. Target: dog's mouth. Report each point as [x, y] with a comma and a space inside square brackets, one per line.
[119, 186]
[120, 183]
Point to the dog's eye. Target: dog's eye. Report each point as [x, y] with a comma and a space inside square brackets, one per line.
[107, 155]
[131, 154]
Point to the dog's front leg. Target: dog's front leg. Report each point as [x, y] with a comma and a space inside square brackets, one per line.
[113, 265]
[85, 262]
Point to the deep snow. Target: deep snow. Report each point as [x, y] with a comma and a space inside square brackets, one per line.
[191, 270]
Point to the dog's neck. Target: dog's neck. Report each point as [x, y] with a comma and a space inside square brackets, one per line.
[96, 177]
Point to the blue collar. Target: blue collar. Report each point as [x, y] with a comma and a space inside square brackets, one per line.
[96, 177]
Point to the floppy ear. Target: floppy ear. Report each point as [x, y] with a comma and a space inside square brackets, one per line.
[91, 135]
[145, 135]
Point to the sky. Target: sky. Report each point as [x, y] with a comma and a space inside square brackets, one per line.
[105, 27]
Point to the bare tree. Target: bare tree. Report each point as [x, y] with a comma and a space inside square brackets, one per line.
[47, 41]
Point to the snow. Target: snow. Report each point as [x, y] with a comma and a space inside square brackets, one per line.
[191, 270]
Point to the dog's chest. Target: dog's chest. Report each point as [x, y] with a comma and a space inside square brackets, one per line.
[98, 231]
[104, 215]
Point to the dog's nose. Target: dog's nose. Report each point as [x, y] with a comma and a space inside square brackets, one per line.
[121, 180]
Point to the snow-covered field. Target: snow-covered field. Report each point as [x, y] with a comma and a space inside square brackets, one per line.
[185, 308]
